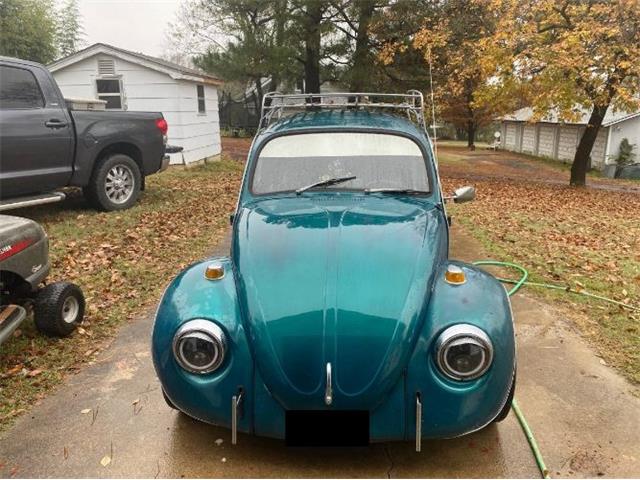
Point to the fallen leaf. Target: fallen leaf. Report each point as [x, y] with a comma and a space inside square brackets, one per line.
[85, 411]
[106, 460]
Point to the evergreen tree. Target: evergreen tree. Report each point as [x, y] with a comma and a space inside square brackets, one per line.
[69, 29]
[27, 30]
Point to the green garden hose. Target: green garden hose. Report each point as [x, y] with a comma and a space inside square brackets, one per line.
[532, 441]
[514, 405]
[517, 284]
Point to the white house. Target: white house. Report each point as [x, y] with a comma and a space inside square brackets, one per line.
[127, 80]
[552, 138]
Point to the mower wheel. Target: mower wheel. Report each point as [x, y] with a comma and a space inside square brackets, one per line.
[59, 308]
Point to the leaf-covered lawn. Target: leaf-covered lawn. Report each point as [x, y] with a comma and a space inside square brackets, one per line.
[122, 261]
[586, 238]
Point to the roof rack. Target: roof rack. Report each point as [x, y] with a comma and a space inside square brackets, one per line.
[276, 105]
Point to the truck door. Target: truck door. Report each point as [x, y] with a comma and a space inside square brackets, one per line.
[36, 137]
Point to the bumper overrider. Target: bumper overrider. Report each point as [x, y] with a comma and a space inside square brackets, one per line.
[438, 395]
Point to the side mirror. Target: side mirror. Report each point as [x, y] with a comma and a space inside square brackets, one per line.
[463, 194]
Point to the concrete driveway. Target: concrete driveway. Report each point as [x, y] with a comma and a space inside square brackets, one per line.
[584, 415]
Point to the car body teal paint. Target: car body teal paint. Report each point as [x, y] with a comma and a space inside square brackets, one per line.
[340, 277]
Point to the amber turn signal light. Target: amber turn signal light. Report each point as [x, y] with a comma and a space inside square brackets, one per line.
[214, 271]
[454, 275]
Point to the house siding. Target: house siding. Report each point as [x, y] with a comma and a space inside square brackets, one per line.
[629, 129]
[145, 89]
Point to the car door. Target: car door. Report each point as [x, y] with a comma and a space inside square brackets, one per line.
[36, 143]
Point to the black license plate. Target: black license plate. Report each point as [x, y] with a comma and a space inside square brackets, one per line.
[325, 428]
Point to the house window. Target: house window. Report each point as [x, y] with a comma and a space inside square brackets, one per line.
[110, 90]
[201, 106]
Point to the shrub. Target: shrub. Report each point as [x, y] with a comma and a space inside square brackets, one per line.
[625, 153]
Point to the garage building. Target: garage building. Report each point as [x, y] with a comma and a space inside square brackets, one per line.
[558, 140]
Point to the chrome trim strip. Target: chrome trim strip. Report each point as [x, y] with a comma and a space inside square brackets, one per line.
[328, 391]
[418, 423]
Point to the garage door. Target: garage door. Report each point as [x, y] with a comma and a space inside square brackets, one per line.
[510, 137]
[568, 143]
[528, 138]
[546, 140]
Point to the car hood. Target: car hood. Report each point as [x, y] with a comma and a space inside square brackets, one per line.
[341, 279]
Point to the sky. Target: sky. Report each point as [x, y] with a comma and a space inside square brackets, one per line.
[138, 25]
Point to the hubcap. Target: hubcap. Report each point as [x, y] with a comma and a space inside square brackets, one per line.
[119, 184]
[70, 309]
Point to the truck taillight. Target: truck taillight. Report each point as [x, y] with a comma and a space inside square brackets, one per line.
[162, 125]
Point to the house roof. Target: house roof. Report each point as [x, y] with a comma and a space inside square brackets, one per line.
[612, 116]
[174, 70]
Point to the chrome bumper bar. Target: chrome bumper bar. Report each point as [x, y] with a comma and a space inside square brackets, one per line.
[165, 163]
[418, 423]
[236, 412]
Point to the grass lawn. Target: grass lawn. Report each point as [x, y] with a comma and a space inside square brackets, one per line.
[122, 261]
[587, 238]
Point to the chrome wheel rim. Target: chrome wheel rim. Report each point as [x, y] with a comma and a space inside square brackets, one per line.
[119, 184]
[70, 309]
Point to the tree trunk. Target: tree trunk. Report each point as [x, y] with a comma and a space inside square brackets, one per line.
[314, 11]
[583, 152]
[360, 78]
[471, 135]
[259, 95]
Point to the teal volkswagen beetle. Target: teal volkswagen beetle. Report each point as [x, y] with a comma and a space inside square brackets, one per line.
[338, 317]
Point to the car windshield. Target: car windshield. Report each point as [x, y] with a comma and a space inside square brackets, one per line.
[376, 160]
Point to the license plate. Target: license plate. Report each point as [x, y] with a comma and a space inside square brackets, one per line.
[323, 428]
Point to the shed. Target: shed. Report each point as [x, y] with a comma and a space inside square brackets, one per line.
[127, 80]
[552, 138]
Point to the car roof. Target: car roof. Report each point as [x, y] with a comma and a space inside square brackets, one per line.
[345, 118]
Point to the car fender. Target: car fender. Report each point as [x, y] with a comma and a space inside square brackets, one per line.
[205, 397]
[463, 407]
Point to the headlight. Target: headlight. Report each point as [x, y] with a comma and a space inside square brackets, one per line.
[199, 346]
[464, 352]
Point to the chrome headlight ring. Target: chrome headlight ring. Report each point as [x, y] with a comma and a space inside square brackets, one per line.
[463, 352]
[199, 346]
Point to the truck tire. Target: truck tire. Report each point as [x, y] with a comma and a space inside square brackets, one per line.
[115, 183]
[58, 309]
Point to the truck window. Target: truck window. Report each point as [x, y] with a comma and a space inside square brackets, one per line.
[110, 91]
[19, 89]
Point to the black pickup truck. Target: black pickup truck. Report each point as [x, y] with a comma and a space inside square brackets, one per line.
[44, 145]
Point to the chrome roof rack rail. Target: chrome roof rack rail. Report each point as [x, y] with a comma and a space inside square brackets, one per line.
[276, 105]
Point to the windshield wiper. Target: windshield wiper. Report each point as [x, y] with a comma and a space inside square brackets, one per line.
[400, 191]
[325, 183]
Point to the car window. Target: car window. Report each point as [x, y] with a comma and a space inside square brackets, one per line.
[377, 160]
[19, 89]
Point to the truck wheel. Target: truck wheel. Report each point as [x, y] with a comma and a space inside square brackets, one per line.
[58, 309]
[115, 183]
[507, 406]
